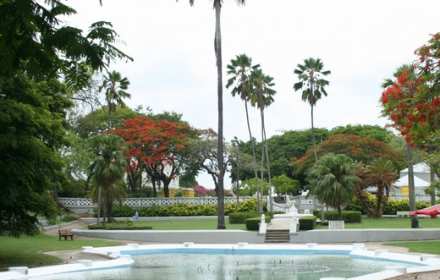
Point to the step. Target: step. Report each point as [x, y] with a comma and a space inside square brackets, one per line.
[277, 236]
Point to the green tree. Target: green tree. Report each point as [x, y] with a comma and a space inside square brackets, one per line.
[332, 180]
[312, 84]
[285, 185]
[107, 172]
[36, 49]
[115, 89]
[240, 70]
[96, 121]
[251, 186]
[220, 146]
[381, 173]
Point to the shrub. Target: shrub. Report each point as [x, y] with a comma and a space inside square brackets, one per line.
[240, 217]
[347, 216]
[122, 211]
[393, 206]
[307, 223]
[252, 223]
[120, 226]
[183, 210]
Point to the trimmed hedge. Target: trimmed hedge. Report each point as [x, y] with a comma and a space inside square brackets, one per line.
[253, 223]
[240, 217]
[348, 216]
[119, 226]
[307, 223]
[183, 210]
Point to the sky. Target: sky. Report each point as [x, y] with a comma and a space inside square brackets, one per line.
[361, 42]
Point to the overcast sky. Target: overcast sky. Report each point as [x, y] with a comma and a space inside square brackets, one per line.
[361, 42]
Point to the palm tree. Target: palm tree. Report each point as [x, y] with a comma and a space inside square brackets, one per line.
[382, 174]
[262, 97]
[220, 146]
[115, 87]
[107, 172]
[312, 83]
[332, 179]
[240, 70]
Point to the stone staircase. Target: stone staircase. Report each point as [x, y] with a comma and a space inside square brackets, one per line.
[277, 236]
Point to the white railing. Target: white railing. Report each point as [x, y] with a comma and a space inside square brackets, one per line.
[143, 202]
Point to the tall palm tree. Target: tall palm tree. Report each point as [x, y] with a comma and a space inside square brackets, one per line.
[262, 86]
[240, 70]
[220, 145]
[107, 172]
[115, 89]
[312, 83]
[333, 179]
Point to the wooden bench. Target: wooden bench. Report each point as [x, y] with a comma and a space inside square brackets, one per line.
[65, 233]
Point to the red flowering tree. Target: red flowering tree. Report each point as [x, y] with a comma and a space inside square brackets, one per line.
[161, 146]
[412, 98]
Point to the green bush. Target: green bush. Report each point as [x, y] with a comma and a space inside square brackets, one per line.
[307, 223]
[183, 210]
[119, 226]
[240, 217]
[122, 211]
[252, 223]
[347, 216]
[393, 206]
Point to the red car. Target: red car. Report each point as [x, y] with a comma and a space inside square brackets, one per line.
[432, 211]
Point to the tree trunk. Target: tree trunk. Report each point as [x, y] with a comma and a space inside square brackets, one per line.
[218, 54]
[412, 196]
[254, 153]
[166, 190]
[432, 179]
[153, 182]
[98, 216]
[313, 134]
[266, 151]
[379, 201]
[251, 139]
[262, 157]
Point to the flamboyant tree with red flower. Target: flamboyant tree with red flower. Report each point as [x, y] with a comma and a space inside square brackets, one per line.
[412, 98]
[160, 146]
[412, 101]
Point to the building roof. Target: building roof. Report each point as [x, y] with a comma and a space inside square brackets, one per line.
[420, 167]
[418, 183]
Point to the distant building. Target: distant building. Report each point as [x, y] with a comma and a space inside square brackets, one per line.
[422, 180]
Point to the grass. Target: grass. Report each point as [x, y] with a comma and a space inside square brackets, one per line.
[391, 223]
[185, 224]
[28, 250]
[197, 224]
[428, 247]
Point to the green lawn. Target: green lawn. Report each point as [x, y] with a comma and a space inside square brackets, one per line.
[28, 250]
[392, 223]
[429, 247]
[188, 224]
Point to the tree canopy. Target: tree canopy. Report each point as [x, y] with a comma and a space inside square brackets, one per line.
[41, 61]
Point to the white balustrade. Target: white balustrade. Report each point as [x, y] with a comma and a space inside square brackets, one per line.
[143, 202]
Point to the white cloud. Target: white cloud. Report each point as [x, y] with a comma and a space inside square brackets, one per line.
[361, 42]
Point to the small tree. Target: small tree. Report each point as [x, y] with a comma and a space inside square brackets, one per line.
[285, 185]
[332, 180]
[107, 172]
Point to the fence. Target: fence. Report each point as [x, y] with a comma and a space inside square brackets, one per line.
[86, 204]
